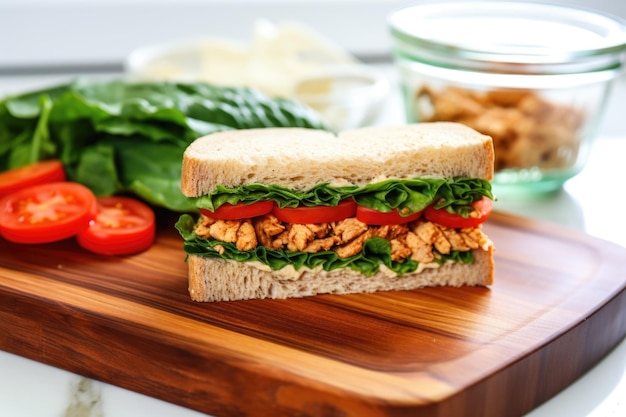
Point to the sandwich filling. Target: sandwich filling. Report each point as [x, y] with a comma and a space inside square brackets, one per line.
[399, 225]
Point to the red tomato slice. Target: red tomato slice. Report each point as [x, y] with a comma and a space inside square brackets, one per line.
[371, 216]
[444, 218]
[46, 212]
[318, 214]
[123, 226]
[33, 174]
[239, 211]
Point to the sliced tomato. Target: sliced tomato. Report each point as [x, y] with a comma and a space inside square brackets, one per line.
[239, 211]
[46, 212]
[33, 174]
[123, 226]
[443, 217]
[375, 217]
[318, 214]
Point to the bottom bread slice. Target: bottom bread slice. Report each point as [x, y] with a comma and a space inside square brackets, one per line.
[212, 279]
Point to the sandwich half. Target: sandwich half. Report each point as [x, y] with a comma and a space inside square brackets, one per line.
[292, 212]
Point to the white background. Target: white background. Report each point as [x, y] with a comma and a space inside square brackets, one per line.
[44, 35]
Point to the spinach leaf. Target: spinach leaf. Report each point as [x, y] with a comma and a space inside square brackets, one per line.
[118, 136]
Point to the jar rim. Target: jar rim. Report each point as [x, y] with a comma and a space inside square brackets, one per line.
[531, 37]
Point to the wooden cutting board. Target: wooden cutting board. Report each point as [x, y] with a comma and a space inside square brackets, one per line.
[558, 306]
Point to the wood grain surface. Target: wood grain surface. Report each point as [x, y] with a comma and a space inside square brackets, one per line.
[557, 306]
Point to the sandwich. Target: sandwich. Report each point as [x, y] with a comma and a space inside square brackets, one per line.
[294, 212]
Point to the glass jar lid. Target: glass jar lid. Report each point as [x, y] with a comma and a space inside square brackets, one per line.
[509, 37]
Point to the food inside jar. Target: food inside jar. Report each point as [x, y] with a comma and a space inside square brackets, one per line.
[527, 129]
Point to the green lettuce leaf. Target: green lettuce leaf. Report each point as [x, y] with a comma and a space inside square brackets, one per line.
[117, 136]
[408, 196]
[376, 252]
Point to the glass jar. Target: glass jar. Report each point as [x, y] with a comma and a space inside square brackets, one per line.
[534, 76]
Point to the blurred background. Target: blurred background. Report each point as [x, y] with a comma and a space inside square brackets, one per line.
[47, 35]
[42, 41]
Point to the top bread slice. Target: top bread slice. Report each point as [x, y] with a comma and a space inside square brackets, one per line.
[300, 159]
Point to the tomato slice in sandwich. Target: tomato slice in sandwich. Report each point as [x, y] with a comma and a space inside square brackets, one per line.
[317, 214]
[239, 211]
[33, 174]
[375, 217]
[123, 226]
[46, 212]
[442, 217]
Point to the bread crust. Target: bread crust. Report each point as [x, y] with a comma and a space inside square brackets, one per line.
[299, 158]
[212, 279]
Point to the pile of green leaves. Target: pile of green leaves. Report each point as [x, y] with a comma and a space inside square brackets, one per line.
[115, 136]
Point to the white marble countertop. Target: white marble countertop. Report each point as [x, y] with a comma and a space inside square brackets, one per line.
[589, 202]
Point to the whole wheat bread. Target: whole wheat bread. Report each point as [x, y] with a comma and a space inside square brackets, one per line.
[219, 280]
[302, 158]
